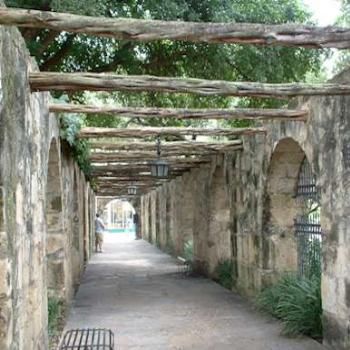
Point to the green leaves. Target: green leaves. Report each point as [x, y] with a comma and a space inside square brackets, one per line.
[70, 124]
[72, 52]
[224, 271]
[296, 301]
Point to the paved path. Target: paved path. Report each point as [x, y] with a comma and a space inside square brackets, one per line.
[135, 289]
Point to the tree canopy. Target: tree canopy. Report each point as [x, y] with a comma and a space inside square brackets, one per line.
[74, 52]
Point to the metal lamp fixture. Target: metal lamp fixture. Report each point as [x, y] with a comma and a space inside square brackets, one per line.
[159, 167]
[132, 190]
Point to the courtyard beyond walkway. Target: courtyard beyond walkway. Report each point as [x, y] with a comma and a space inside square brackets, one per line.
[136, 290]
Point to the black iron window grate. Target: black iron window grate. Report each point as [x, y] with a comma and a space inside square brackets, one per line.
[306, 182]
[308, 225]
[309, 242]
[88, 339]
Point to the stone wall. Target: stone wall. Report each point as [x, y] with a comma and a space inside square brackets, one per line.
[241, 207]
[44, 229]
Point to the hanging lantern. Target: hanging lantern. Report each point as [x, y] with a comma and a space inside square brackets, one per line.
[132, 190]
[159, 167]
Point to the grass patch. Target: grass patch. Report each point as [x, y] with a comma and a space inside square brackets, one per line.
[297, 302]
[223, 272]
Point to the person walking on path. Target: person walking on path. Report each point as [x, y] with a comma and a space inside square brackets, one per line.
[99, 228]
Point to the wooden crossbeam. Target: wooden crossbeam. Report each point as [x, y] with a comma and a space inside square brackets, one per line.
[115, 186]
[46, 81]
[182, 113]
[125, 173]
[150, 30]
[109, 158]
[150, 154]
[177, 162]
[182, 146]
[118, 191]
[114, 195]
[141, 182]
[138, 167]
[165, 131]
[125, 184]
[109, 171]
[143, 178]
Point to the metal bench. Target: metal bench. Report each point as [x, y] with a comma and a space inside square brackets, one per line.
[88, 339]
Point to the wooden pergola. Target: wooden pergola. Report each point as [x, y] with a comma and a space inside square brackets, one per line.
[119, 164]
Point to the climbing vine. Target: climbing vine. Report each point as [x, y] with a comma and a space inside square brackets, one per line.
[70, 124]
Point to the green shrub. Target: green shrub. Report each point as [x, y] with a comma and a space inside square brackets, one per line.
[188, 252]
[169, 247]
[54, 314]
[296, 301]
[70, 124]
[223, 272]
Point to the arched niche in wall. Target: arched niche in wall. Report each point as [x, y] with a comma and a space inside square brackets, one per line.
[279, 244]
[55, 242]
[219, 234]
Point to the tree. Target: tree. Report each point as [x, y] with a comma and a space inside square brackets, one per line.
[72, 52]
[343, 60]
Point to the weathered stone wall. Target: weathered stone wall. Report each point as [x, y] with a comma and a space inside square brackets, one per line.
[242, 207]
[42, 198]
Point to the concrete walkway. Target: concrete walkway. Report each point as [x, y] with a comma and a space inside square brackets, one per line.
[135, 289]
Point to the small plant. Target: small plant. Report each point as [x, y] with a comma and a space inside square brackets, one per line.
[70, 125]
[170, 248]
[54, 315]
[224, 272]
[188, 251]
[296, 301]
[188, 255]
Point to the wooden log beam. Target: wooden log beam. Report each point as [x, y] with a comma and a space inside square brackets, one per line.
[150, 154]
[108, 171]
[105, 186]
[118, 192]
[150, 30]
[101, 158]
[165, 131]
[141, 182]
[182, 113]
[178, 162]
[132, 169]
[167, 146]
[123, 188]
[116, 184]
[111, 195]
[145, 178]
[46, 81]
[133, 174]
